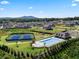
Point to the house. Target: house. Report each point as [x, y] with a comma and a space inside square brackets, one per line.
[69, 23]
[76, 22]
[63, 35]
[51, 24]
[38, 24]
[7, 25]
[74, 33]
[22, 25]
[1, 27]
[48, 27]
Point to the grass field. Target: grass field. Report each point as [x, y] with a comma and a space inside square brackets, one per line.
[4, 55]
[71, 52]
[26, 46]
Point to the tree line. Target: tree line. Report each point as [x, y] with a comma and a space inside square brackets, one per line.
[36, 19]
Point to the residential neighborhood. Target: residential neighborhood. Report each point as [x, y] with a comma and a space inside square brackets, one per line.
[39, 29]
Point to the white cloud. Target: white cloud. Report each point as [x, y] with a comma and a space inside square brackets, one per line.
[74, 4]
[1, 9]
[41, 12]
[30, 7]
[4, 2]
[76, 0]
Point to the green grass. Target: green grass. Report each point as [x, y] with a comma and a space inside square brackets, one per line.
[4, 55]
[70, 53]
[25, 46]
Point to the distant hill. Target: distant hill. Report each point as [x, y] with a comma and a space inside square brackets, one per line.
[28, 17]
[25, 17]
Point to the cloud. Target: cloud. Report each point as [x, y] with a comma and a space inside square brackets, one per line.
[41, 12]
[76, 0]
[1, 9]
[30, 7]
[4, 2]
[74, 4]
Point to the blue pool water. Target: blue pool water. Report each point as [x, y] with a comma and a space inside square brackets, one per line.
[51, 41]
[48, 42]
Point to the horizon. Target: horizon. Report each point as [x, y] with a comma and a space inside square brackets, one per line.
[40, 8]
[38, 17]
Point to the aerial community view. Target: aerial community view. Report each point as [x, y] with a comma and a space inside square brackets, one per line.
[39, 29]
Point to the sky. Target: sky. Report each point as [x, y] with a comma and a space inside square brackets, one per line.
[39, 8]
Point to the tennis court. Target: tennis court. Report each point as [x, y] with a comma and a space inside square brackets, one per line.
[20, 37]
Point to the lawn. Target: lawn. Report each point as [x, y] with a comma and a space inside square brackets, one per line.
[26, 46]
[22, 46]
[4, 55]
[71, 52]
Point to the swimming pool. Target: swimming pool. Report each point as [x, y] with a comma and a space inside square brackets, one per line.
[47, 42]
